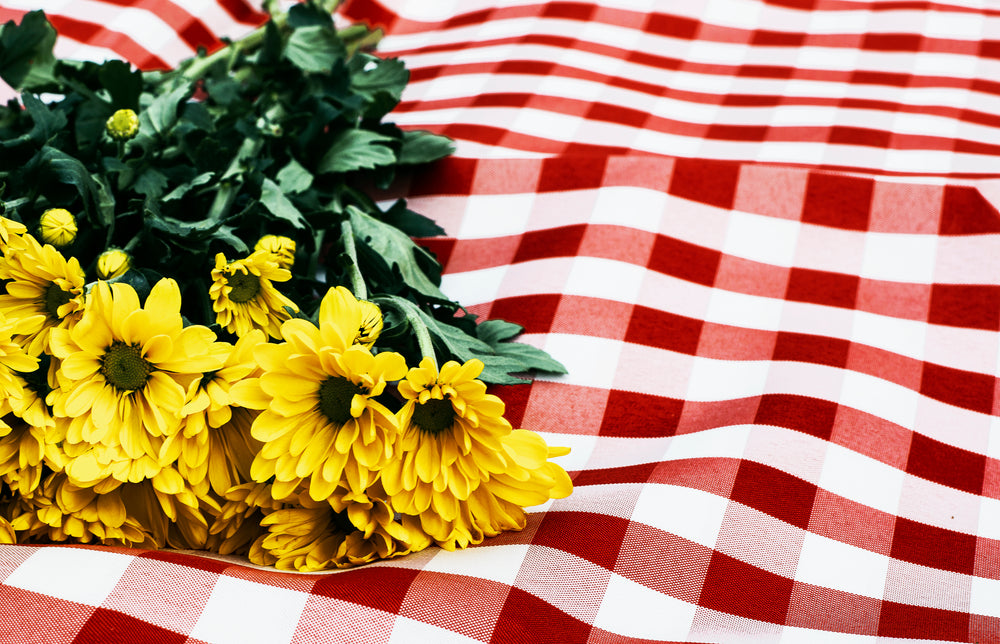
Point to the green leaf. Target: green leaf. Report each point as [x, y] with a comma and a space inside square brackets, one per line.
[151, 183]
[227, 235]
[497, 334]
[183, 189]
[69, 170]
[223, 90]
[123, 83]
[89, 123]
[308, 15]
[412, 223]
[294, 178]
[356, 149]
[314, 49]
[397, 249]
[529, 358]
[197, 116]
[161, 115]
[499, 365]
[380, 82]
[495, 331]
[26, 59]
[184, 230]
[371, 75]
[46, 123]
[272, 198]
[423, 147]
[105, 201]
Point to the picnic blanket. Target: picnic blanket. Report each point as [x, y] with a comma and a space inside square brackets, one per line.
[762, 236]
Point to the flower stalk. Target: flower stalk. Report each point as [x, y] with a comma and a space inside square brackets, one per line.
[357, 279]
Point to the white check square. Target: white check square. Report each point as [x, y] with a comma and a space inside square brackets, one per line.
[693, 514]
[228, 617]
[762, 239]
[73, 574]
[633, 609]
[862, 479]
[499, 563]
[829, 563]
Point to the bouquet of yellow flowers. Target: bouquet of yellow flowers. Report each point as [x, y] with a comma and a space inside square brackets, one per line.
[211, 334]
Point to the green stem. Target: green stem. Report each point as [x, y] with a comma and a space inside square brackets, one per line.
[132, 243]
[369, 39]
[229, 186]
[255, 39]
[313, 270]
[357, 279]
[416, 324]
[247, 43]
[423, 337]
[230, 181]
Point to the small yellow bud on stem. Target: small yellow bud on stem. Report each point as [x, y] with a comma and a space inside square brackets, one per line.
[122, 125]
[113, 263]
[57, 226]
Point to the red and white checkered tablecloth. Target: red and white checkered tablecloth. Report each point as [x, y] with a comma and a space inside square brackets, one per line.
[762, 236]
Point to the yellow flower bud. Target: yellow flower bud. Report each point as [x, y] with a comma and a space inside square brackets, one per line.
[282, 248]
[57, 226]
[122, 125]
[112, 263]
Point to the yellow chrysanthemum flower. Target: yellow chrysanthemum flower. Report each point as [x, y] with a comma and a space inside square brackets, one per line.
[454, 441]
[320, 423]
[244, 298]
[451, 438]
[10, 234]
[237, 525]
[122, 125]
[123, 376]
[303, 538]
[21, 455]
[34, 437]
[217, 458]
[281, 248]
[57, 226]
[308, 535]
[22, 445]
[498, 504]
[61, 511]
[378, 531]
[35, 386]
[7, 535]
[14, 365]
[169, 510]
[214, 449]
[45, 292]
[113, 263]
[371, 324]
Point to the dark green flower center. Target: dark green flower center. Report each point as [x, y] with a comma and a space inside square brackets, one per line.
[434, 416]
[245, 286]
[335, 396]
[54, 298]
[124, 367]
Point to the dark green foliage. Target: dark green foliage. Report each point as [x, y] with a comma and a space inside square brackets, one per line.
[277, 134]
